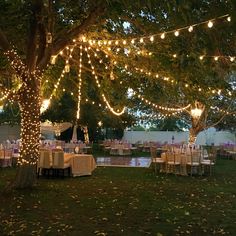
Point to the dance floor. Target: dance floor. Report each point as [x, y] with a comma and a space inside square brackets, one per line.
[124, 161]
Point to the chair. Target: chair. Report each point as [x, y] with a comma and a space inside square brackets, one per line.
[158, 162]
[69, 147]
[58, 163]
[194, 161]
[6, 157]
[171, 162]
[127, 151]
[208, 164]
[44, 163]
[114, 150]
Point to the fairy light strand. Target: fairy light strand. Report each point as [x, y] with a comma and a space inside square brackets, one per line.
[154, 75]
[117, 113]
[152, 37]
[163, 108]
[64, 71]
[80, 82]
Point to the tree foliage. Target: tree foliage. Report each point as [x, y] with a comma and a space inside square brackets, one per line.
[67, 20]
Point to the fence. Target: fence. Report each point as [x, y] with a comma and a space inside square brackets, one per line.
[208, 137]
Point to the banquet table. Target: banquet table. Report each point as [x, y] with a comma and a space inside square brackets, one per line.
[182, 158]
[120, 149]
[81, 164]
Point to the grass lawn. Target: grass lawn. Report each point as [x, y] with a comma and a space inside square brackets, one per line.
[123, 201]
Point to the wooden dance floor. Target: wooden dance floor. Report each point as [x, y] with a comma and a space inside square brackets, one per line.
[124, 161]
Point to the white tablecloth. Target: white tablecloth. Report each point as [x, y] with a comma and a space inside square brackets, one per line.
[81, 164]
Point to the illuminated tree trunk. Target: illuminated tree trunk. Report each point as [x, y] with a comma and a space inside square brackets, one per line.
[30, 132]
[193, 132]
[198, 120]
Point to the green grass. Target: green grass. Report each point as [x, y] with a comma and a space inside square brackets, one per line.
[123, 201]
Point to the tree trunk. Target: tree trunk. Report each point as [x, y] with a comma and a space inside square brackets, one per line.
[29, 102]
[198, 121]
[192, 136]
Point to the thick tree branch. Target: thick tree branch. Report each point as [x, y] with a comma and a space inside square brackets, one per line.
[61, 43]
[75, 32]
[31, 57]
[216, 123]
[8, 94]
[222, 117]
[4, 44]
[44, 28]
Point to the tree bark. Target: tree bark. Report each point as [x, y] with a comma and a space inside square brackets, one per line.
[193, 132]
[29, 102]
[198, 123]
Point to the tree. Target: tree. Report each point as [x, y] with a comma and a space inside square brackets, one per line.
[42, 26]
[47, 28]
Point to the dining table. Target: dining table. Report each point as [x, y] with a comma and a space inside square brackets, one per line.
[81, 164]
[183, 158]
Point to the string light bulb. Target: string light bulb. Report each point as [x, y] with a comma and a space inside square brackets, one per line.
[201, 57]
[190, 29]
[163, 35]
[210, 24]
[176, 33]
[53, 59]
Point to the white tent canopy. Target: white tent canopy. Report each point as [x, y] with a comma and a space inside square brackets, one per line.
[56, 128]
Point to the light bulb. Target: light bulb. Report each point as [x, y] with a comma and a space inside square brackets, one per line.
[151, 38]
[216, 58]
[176, 33]
[190, 29]
[210, 24]
[228, 18]
[163, 35]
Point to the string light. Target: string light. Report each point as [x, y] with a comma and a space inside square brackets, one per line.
[30, 123]
[176, 33]
[210, 24]
[45, 105]
[53, 59]
[155, 75]
[117, 113]
[168, 109]
[148, 53]
[80, 83]
[162, 34]
[190, 29]
[66, 69]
